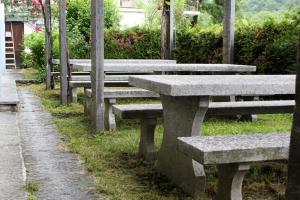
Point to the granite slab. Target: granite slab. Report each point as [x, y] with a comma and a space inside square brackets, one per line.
[88, 61]
[215, 85]
[167, 67]
[8, 91]
[236, 148]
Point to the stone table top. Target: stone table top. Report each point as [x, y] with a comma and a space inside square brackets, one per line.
[88, 61]
[167, 67]
[236, 148]
[215, 85]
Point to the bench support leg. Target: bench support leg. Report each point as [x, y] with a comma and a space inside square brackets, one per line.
[250, 117]
[147, 147]
[183, 117]
[230, 181]
[110, 119]
[87, 104]
[74, 95]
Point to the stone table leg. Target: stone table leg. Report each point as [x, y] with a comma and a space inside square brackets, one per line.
[109, 116]
[74, 94]
[147, 145]
[230, 181]
[87, 103]
[183, 117]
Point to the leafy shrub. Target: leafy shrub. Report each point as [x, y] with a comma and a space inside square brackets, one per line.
[270, 46]
[79, 16]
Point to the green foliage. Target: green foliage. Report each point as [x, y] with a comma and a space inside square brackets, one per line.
[153, 12]
[269, 5]
[35, 42]
[79, 16]
[271, 45]
[132, 43]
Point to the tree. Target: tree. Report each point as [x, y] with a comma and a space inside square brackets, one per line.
[167, 27]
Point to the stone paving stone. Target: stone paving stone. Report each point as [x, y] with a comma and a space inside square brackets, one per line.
[58, 172]
[12, 171]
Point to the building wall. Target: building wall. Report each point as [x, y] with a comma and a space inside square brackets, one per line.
[130, 15]
[2, 40]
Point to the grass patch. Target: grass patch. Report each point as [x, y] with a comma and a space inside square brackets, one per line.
[30, 73]
[32, 187]
[119, 173]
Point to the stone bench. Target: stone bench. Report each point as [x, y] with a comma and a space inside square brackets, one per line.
[85, 82]
[233, 155]
[110, 96]
[57, 74]
[148, 114]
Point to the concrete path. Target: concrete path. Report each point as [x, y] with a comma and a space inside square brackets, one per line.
[31, 151]
[12, 171]
[57, 172]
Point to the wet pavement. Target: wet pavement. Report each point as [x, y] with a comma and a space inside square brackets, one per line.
[57, 172]
[12, 171]
[31, 150]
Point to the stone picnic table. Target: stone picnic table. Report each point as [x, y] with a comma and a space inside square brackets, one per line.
[142, 65]
[166, 67]
[88, 61]
[185, 101]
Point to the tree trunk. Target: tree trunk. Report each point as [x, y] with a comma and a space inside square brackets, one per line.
[293, 184]
[49, 43]
[64, 66]
[167, 26]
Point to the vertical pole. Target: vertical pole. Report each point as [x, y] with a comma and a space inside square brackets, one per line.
[63, 52]
[228, 38]
[97, 57]
[293, 183]
[167, 29]
[48, 36]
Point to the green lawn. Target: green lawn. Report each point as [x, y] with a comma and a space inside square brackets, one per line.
[119, 173]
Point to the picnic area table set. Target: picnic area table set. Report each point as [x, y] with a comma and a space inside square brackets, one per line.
[185, 101]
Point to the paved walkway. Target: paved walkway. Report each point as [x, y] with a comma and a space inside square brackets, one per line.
[12, 171]
[57, 172]
[31, 150]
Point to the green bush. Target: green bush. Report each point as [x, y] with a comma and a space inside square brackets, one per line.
[79, 16]
[270, 46]
[132, 43]
[35, 42]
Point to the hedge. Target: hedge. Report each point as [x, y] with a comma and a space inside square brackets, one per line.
[270, 46]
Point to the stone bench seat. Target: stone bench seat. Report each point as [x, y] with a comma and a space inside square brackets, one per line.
[56, 74]
[137, 111]
[148, 114]
[110, 96]
[233, 155]
[107, 78]
[130, 92]
[84, 81]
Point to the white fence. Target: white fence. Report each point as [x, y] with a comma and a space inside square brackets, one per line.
[2, 40]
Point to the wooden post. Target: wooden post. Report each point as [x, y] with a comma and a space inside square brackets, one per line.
[228, 38]
[49, 44]
[167, 30]
[97, 57]
[293, 183]
[63, 52]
